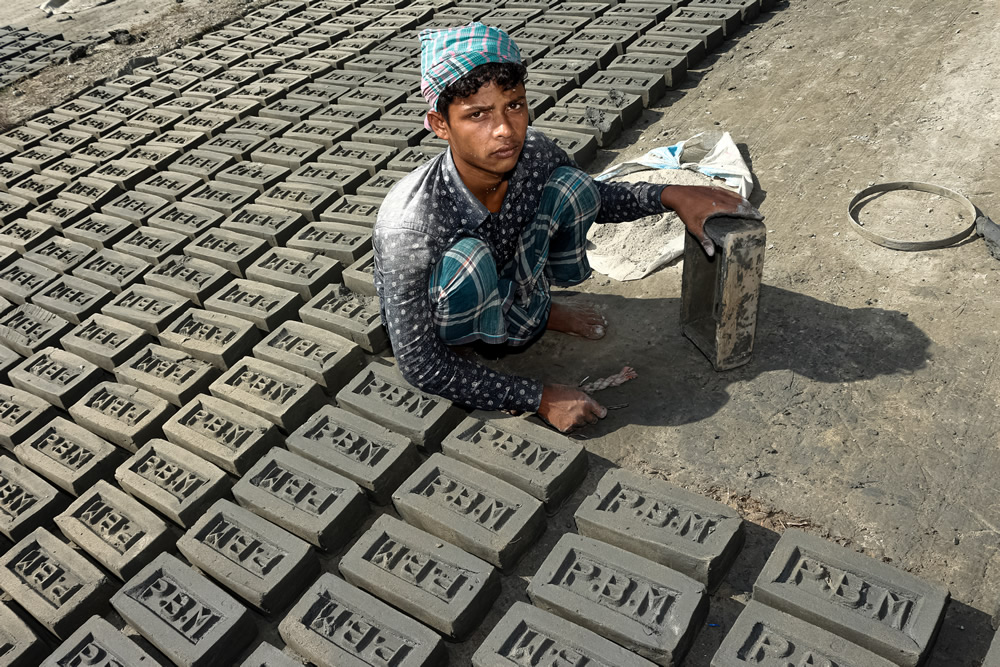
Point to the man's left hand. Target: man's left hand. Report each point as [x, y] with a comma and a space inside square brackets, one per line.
[696, 203]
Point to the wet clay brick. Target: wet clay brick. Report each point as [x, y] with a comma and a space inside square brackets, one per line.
[20, 646]
[883, 609]
[115, 529]
[310, 501]
[253, 558]
[340, 177]
[216, 338]
[105, 341]
[308, 200]
[95, 641]
[26, 500]
[98, 231]
[225, 198]
[381, 394]
[149, 308]
[93, 192]
[628, 106]
[184, 218]
[151, 244]
[35, 189]
[136, 207]
[728, 19]
[231, 250]
[762, 635]
[709, 35]
[172, 375]
[68, 169]
[169, 185]
[324, 627]
[112, 270]
[121, 414]
[360, 276]
[650, 86]
[13, 207]
[380, 184]
[283, 397]
[204, 164]
[652, 609]
[353, 316]
[123, 173]
[684, 531]
[662, 44]
[59, 254]
[359, 449]
[580, 147]
[527, 635]
[296, 270]
[53, 582]
[605, 126]
[24, 235]
[259, 175]
[271, 223]
[353, 210]
[28, 328]
[222, 433]
[22, 278]
[191, 278]
[471, 509]
[320, 132]
[267, 655]
[289, 153]
[188, 618]
[535, 459]
[326, 358]
[61, 378]
[264, 305]
[69, 456]
[435, 582]
[672, 67]
[372, 157]
[342, 242]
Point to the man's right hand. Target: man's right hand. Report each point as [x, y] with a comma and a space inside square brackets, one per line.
[567, 407]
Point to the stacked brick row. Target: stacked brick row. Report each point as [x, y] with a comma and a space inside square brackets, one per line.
[24, 53]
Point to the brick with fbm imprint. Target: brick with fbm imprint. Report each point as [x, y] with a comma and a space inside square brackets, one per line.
[192, 278]
[888, 611]
[28, 328]
[117, 530]
[326, 358]
[535, 459]
[105, 341]
[475, 511]
[317, 504]
[265, 305]
[231, 250]
[174, 376]
[253, 558]
[21, 414]
[283, 397]
[353, 316]
[435, 582]
[303, 272]
[357, 448]
[97, 642]
[149, 308]
[121, 414]
[216, 338]
[188, 618]
[26, 500]
[68, 455]
[59, 377]
[643, 606]
[692, 534]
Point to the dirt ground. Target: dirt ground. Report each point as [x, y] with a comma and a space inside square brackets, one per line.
[869, 414]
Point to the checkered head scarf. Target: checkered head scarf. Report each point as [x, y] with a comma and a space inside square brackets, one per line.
[448, 55]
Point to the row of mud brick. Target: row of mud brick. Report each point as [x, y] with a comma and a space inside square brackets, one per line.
[24, 53]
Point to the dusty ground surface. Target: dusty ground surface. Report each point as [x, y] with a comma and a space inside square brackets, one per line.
[869, 414]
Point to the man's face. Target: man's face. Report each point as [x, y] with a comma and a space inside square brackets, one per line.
[485, 130]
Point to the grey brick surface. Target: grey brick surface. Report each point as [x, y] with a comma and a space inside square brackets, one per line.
[222, 433]
[643, 606]
[231, 250]
[68, 455]
[21, 279]
[97, 231]
[72, 298]
[121, 414]
[61, 378]
[992, 658]
[22, 648]
[112, 270]
[342, 242]
[692, 534]
[192, 278]
[888, 611]
[151, 244]
[267, 655]
[762, 635]
[115, 529]
[191, 620]
[97, 642]
[270, 223]
[317, 504]
[264, 305]
[371, 157]
[650, 86]
[52, 582]
[435, 582]
[281, 396]
[105, 341]
[28, 328]
[353, 316]
[225, 198]
[296, 270]
[380, 393]
[729, 19]
[353, 210]
[535, 459]
[151, 309]
[255, 559]
[324, 627]
[175, 482]
[471, 509]
[326, 358]
[527, 635]
[21, 414]
[172, 375]
[26, 500]
[216, 338]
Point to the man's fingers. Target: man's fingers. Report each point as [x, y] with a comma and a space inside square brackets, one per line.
[709, 247]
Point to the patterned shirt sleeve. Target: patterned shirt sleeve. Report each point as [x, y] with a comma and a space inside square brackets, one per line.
[624, 202]
[404, 258]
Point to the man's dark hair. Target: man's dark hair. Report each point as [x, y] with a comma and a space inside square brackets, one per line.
[506, 75]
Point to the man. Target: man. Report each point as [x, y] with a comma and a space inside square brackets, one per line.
[468, 245]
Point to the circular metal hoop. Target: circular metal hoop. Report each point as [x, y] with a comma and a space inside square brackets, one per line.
[857, 204]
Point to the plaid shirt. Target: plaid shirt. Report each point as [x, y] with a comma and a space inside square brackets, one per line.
[427, 212]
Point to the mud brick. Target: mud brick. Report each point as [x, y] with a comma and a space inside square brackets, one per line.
[326, 358]
[105, 341]
[372, 157]
[121, 414]
[38, 157]
[225, 198]
[175, 82]
[993, 656]
[112, 269]
[78, 108]
[184, 104]
[407, 111]
[719, 295]
[267, 655]
[264, 305]
[264, 93]
[353, 316]
[69, 456]
[672, 67]
[24, 235]
[395, 81]
[225, 58]
[97, 640]
[22, 138]
[191, 620]
[98, 230]
[283, 397]
[233, 251]
[61, 378]
[392, 133]
[256, 560]
[346, 114]
[310, 501]
[158, 120]
[474, 511]
[555, 86]
[684, 531]
[128, 136]
[155, 157]
[656, 614]
[50, 122]
[318, 627]
[155, 97]
[59, 254]
[661, 44]
[360, 276]
[212, 90]
[172, 375]
[379, 185]
[269, 223]
[168, 185]
[151, 244]
[96, 125]
[764, 635]
[202, 69]
[290, 110]
[52, 582]
[342, 242]
[13, 207]
[192, 278]
[22, 279]
[284, 152]
[21, 413]
[205, 164]
[628, 106]
[725, 16]
[66, 140]
[529, 635]
[21, 646]
[636, 25]
[605, 126]
[11, 173]
[258, 175]
[377, 98]
[656, 10]
[26, 500]
[541, 36]
[650, 86]
[413, 157]
[28, 328]
[149, 308]
[68, 169]
[130, 82]
[317, 92]
[885, 610]
[323, 133]
[208, 124]
[72, 298]
[123, 173]
[35, 189]
[257, 66]
[302, 272]
[216, 338]
[177, 139]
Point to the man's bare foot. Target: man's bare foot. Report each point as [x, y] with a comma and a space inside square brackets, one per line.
[583, 321]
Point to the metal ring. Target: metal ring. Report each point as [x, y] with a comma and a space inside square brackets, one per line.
[895, 244]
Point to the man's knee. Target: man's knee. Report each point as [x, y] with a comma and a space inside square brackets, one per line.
[575, 193]
[464, 270]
